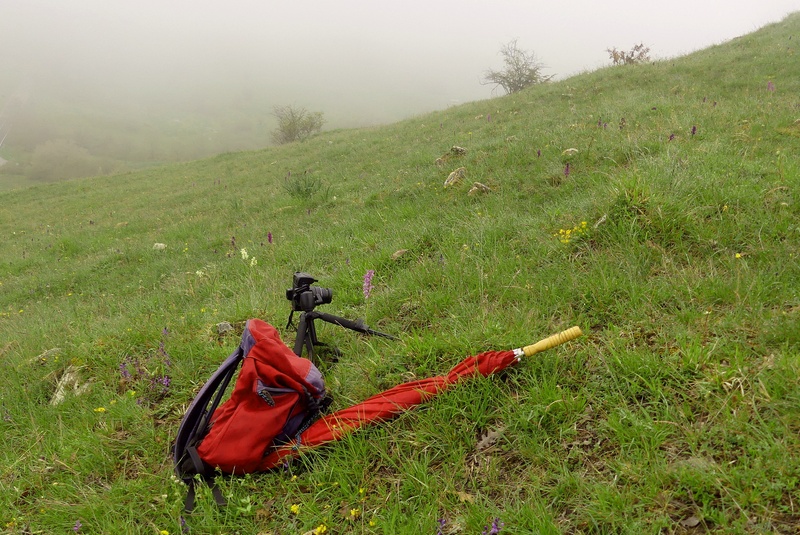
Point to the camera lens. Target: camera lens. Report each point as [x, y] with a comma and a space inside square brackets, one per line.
[322, 296]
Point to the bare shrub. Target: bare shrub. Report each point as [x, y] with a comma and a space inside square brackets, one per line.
[295, 124]
[638, 54]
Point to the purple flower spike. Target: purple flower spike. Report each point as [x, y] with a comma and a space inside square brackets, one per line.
[770, 87]
[495, 528]
[160, 385]
[269, 237]
[694, 130]
[368, 282]
[566, 171]
[671, 137]
[539, 153]
[77, 527]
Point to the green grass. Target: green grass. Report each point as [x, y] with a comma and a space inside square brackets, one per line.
[678, 412]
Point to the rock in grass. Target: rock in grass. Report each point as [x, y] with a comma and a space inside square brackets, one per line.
[690, 522]
[455, 151]
[159, 246]
[455, 177]
[477, 187]
[224, 328]
[68, 382]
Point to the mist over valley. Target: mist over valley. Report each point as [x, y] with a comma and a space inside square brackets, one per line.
[95, 87]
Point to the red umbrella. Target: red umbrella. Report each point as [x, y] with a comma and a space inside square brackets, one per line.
[392, 402]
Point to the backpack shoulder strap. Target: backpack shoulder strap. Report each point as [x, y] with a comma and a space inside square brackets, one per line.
[195, 422]
[194, 427]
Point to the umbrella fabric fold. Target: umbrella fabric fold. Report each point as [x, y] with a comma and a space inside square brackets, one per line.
[388, 404]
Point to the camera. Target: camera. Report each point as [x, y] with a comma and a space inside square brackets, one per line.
[303, 296]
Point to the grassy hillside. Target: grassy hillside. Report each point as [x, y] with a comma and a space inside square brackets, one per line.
[655, 206]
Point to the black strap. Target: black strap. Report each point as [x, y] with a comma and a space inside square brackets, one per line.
[188, 505]
[199, 466]
[191, 494]
[218, 497]
[205, 472]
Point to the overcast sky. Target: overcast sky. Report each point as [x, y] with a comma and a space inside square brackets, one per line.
[348, 58]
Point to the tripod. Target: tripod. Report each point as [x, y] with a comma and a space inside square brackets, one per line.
[307, 332]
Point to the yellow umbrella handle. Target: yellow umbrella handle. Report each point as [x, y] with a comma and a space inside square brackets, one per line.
[550, 341]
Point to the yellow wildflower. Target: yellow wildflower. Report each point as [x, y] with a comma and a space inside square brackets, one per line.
[100, 409]
[322, 528]
[295, 508]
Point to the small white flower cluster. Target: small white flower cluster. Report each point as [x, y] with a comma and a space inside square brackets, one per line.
[245, 256]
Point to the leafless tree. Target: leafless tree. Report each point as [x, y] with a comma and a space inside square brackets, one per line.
[521, 70]
[295, 124]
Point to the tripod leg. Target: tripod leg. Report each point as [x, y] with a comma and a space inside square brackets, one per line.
[312, 331]
[302, 327]
[312, 336]
[306, 336]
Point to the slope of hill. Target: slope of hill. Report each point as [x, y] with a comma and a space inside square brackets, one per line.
[653, 205]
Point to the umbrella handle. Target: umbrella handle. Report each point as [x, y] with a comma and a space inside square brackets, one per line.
[549, 342]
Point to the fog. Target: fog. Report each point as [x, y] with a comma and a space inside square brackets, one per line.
[205, 64]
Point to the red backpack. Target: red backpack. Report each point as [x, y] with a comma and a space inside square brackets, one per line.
[277, 395]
